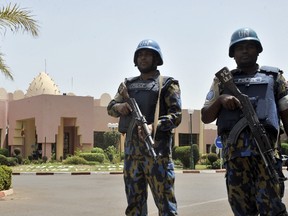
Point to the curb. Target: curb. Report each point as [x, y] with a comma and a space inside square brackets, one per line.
[110, 173]
[116, 172]
[6, 193]
[66, 173]
[204, 171]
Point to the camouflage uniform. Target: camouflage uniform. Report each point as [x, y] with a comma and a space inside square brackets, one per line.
[140, 169]
[250, 192]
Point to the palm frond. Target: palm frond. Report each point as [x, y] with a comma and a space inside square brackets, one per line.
[4, 68]
[16, 18]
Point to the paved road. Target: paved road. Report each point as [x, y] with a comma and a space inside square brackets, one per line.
[103, 194]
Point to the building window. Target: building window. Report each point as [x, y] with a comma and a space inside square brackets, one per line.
[98, 139]
[185, 139]
[208, 148]
[66, 145]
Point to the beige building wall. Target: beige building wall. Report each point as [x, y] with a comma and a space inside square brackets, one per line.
[46, 116]
[3, 121]
[62, 124]
[66, 123]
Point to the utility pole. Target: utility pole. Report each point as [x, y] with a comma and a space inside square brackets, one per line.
[192, 165]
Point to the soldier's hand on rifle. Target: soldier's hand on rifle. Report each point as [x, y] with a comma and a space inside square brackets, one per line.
[230, 102]
[141, 132]
[123, 108]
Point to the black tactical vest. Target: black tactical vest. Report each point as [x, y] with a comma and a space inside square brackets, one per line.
[141, 90]
[260, 89]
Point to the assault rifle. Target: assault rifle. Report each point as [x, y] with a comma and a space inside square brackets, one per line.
[251, 120]
[137, 119]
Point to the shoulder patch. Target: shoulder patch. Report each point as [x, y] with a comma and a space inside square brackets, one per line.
[210, 95]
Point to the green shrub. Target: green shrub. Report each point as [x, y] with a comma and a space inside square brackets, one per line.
[44, 159]
[17, 151]
[175, 152]
[38, 161]
[203, 159]
[122, 156]
[8, 161]
[212, 157]
[111, 138]
[3, 160]
[98, 157]
[19, 159]
[217, 164]
[4, 151]
[111, 151]
[284, 148]
[183, 154]
[118, 157]
[178, 163]
[75, 160]
[196, 155]
[12, 161]
[53, 157]
[26, 161]
[5, 177]
[97, 150]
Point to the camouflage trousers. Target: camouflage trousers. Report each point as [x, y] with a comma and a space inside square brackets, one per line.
[250, 189]
[141, 171]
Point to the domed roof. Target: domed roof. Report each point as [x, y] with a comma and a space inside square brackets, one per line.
[105, 99]
[42, 84]
[3, 94]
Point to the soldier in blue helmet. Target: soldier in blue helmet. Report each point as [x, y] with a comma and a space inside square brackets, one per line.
[250, 188]
[158, 98]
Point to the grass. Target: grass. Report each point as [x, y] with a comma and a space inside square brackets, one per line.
[200, 167]
[59, 167]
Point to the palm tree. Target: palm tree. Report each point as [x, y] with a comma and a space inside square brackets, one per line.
[14, 18]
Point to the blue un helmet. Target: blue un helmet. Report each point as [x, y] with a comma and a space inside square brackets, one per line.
[244, 34]
[149, 44]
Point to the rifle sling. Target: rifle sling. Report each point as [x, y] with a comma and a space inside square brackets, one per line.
[156, 115]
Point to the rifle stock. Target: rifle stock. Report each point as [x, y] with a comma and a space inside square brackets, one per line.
[258, 131]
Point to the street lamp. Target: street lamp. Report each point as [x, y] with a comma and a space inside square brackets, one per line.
[192, 165]
[112, 126]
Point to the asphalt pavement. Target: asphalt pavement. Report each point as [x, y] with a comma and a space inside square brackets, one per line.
[199, 194]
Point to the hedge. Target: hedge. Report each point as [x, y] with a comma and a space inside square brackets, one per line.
[97, 150]
[4, 151]
[96, 157]
[5, 177]
[284, 147]
[74, 160]
[183, 153]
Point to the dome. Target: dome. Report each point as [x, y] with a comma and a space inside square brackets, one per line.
[42, 84]
[3, 94]
[105, 99]
[18, 94]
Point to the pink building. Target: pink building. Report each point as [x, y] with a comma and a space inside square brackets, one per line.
[44, 122]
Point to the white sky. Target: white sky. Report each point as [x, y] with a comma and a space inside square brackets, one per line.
[88, 45]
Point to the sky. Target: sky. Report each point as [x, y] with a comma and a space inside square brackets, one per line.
[87, 46]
